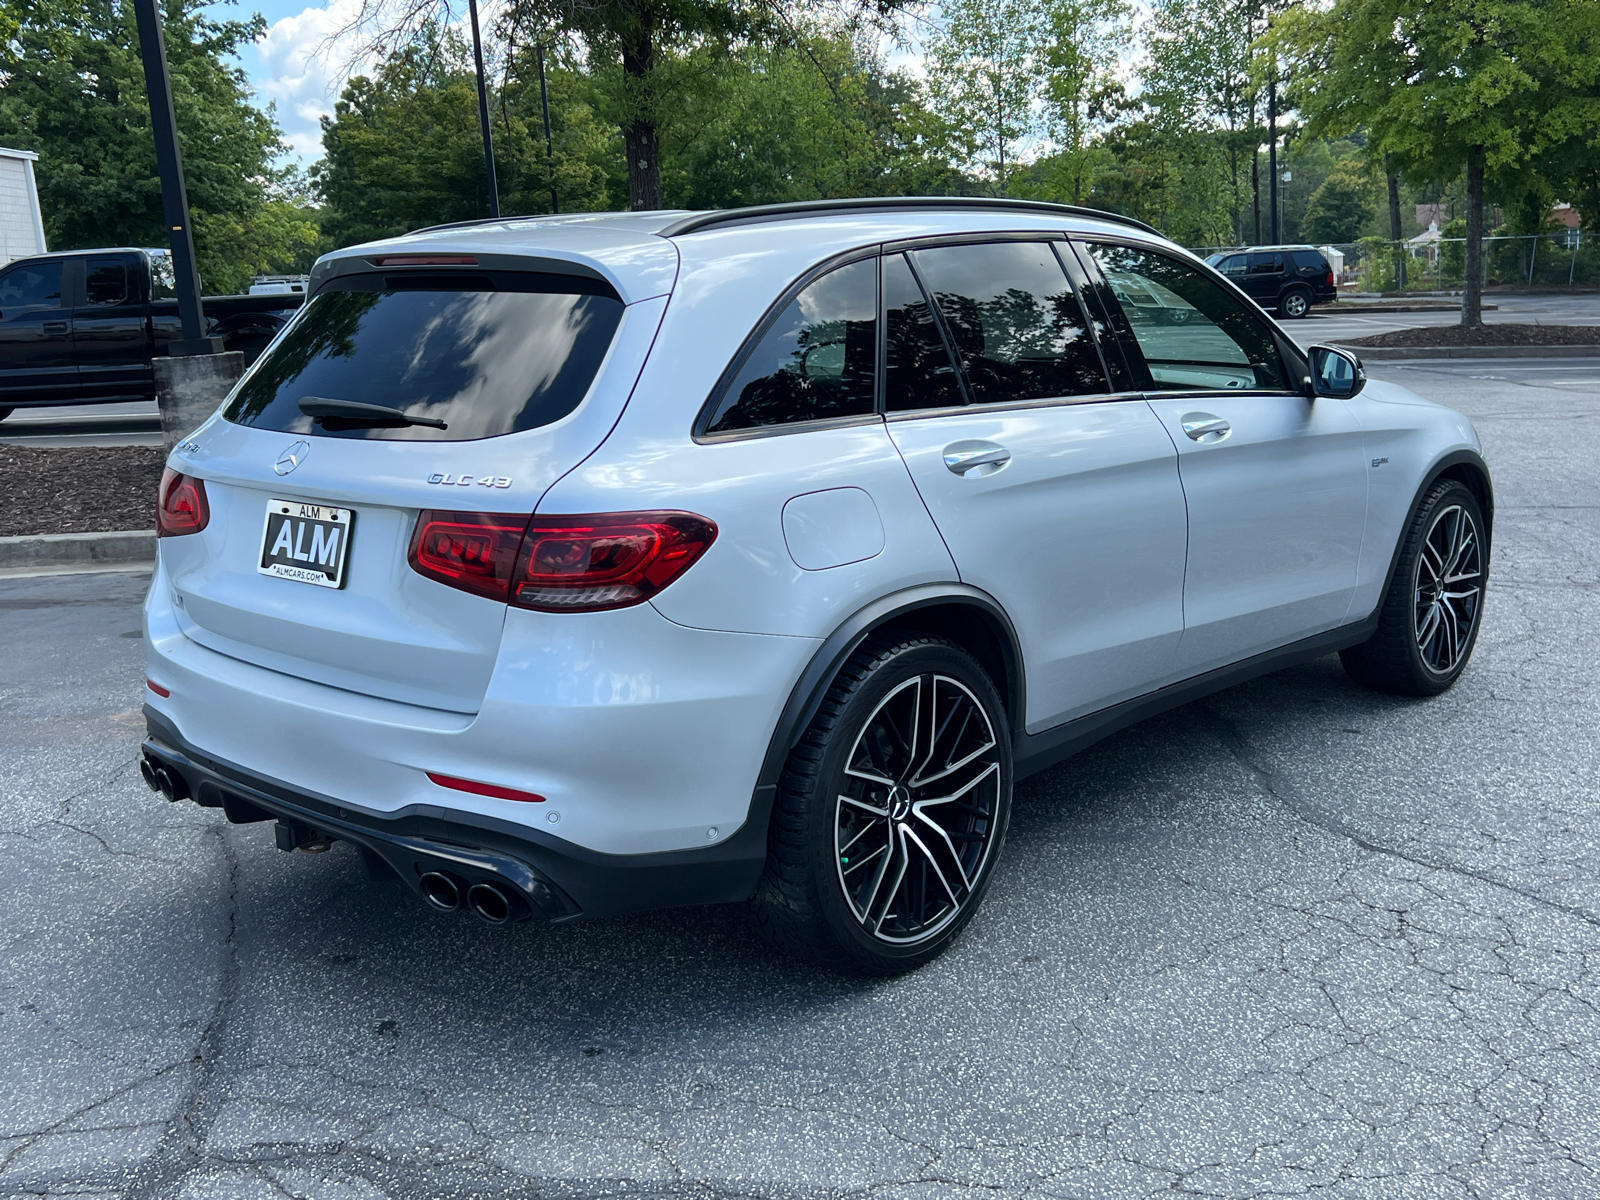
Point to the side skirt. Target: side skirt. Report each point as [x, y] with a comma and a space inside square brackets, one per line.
[1035, 752]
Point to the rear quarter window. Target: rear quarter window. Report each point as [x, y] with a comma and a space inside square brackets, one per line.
[1310, 258]
[485, 354]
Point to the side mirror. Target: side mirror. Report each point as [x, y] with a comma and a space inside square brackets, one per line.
[1334, 372]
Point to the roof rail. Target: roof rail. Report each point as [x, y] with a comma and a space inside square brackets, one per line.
[817, 208]
[566, 216]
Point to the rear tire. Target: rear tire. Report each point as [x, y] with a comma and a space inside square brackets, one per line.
[891, 812]
[1434, 607]
[1294, 303]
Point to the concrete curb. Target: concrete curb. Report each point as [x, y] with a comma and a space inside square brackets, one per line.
[1349, 308]
[75, 551]
[1380, 353]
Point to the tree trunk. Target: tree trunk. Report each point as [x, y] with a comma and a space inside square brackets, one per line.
[640, 136]
[1395, 233]
[1472, 289]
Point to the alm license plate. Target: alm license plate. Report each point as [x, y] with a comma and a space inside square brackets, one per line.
[305, 542]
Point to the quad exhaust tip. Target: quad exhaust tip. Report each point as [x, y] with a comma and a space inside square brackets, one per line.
[440, 891]
[489, 903]
[163, 779]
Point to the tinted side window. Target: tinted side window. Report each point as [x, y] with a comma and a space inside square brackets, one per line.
[1266, 264]
[1310, 260]
[1193, 333]
[31, 285]
[105, 280]
[1235, 265]
[918, 372]
[1015, 324]
[818, 360]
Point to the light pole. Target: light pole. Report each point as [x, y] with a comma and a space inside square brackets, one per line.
[483, 115]
[549, 143]
[174, 197]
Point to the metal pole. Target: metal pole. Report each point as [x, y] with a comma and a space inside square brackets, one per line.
[549, 144]
[483, 116]
[1272, 149]
[174, 198]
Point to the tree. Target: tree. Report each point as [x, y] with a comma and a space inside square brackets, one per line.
[1488, 85]
[1081, 92]
[72, 89]
[820, 117]
[402, 150]
[1200, 82]
[1342, 207]
[984, 71]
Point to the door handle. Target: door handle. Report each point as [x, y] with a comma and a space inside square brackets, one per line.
[1205, 428]
[55, 326]
[976, 457]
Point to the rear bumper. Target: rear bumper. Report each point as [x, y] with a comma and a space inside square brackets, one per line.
[550, 879]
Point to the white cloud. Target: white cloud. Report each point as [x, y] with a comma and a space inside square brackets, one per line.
[305, 60]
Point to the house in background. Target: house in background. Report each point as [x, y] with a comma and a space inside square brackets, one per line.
[21, 222]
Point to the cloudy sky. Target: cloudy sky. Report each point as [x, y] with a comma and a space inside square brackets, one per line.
[300, 64]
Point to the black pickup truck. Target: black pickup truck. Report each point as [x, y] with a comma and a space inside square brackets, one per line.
[81, 327]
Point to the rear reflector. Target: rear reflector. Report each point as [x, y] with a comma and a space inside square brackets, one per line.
[180, 505]
[157, 688]
[559, 564]
[484, 789]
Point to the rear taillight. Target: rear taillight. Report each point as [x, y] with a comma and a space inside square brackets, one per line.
[611, 560]
[475, 552]
[181, 505]
[560, 564]
[1328, 282]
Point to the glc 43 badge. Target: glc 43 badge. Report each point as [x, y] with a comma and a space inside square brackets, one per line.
[493, 481]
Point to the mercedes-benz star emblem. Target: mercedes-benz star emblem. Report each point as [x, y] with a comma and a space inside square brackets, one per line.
[291, 458]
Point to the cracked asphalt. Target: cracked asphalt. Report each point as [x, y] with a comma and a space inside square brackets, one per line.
[1298, 939]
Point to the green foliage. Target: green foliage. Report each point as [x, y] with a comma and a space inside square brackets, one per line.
[403, 148]
[1163, 176]
[1342, 206]
[984, 71]
[798, 121]
[1452, 252]
[72, 89]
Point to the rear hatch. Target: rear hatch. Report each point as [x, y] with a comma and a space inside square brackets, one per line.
[447, 388]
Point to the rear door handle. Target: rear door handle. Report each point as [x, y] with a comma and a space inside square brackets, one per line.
[975, 457]
[1205, 428]
[55, 326]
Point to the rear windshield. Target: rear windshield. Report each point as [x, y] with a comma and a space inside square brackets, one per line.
[484, 355]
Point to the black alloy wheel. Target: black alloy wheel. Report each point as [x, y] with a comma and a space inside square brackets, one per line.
[892, 811]
[1431, 615]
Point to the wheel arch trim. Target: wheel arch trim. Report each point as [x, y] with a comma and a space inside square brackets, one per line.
[808, 692]
[1437, 470]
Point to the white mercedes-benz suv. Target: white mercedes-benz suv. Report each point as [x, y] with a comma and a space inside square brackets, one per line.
[575, 565]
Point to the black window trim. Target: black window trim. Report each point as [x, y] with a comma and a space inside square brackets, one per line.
[700, 430]
[1292, 360]
[968, 406]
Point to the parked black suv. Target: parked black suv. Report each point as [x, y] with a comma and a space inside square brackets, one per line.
[1289, 279]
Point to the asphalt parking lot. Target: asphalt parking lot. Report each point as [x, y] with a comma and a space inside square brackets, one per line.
[1298, 939]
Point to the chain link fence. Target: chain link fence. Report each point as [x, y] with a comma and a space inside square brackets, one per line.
[1436, 261]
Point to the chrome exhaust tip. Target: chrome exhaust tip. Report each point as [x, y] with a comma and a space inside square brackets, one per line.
[440, 892]
[489, 903]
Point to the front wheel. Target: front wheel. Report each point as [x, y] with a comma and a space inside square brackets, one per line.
[891, 812]
[1295, 303]
[1431, 614]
